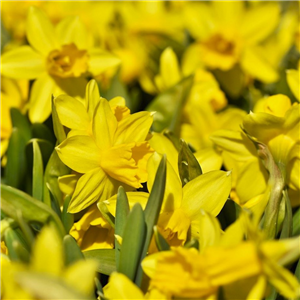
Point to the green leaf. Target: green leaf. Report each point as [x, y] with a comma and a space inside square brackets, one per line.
[106, 259]
[132, 242]
[15, 170]
[287, 227]
[297, 271]
[152, 210]
[42, 132]
[193, 243]
[161, 243]
[43, 286]
[168, 106]
[296, 223]
[106, 214]
[67, 218]
[26, 230]
[188, 165]
[21, 122]
[122, 211]
[37, 172]
[32, 210]
[16, 249]
[72, 250]
[58, 128]
[54, 169]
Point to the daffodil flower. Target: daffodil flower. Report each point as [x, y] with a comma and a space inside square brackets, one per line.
[59, 58]
[292, 77]
[48, 262]
[116, 154]
[226, 36]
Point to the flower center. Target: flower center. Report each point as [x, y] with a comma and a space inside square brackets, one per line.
[221, 45]
[69, 61]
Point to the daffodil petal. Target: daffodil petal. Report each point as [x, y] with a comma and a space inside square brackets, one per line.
[22, 63]
[208, 191]
[133, 128]
[80, 276]
[293, 77]
[72, 113]
[67, 183]
[104, 125]
[92, 97]
[100, 61]
[93, 186]
[40, 31]
[72, 30]
[47, 259]
[255, 65]
[40, 99]
[80, 153]
[209, 159]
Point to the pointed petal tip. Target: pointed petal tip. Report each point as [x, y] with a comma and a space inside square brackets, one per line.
[228, 173]
[152, 113]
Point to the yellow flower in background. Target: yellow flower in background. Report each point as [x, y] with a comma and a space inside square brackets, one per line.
[187, 273]
[92, 231]
[116, 154]
[13, 94]
[59, 58]
[47, 261]
[226, 36]
[292, 77]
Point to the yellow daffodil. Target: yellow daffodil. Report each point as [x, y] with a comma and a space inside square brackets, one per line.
[187, 273]
[59, 58]
[226, 36]
[120, 287]
[13, 94]
[116, 154]
[293, 81]
[92, 231]
[47, 262]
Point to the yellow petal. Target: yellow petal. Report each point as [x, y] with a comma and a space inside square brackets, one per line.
[266, 16]
[92, 97]
[72, 30]
[40, 99]
[134, 128]
[47, 256]
[120, 287]
[101, 61]
[173, 191]
[22, 63]
[293, 77]
[79, 153]
[169, 68]
[257, 66]
[104, 125]
[209, 159]
[80, 276]
[72, 113]
[40, 31]
[68, 183]
[93, 186]
[208, 191]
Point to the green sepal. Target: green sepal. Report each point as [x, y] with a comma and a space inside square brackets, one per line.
[188, 166]
[168, 106]
[16, 248]
[106, 259]
[287, 226]
[132, 242]
[152, 210]
[32, 210]
[67, 218]
[122, 211]
[106, 214]
[161, 243]
[72, 250]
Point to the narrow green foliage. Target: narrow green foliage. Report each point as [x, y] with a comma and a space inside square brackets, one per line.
[32, 210]
[168, 106]
[26, 230]
[297, 271]
[42, 132]
[296, 223]
[122, 211]
[67, 218]
[57, 127]
[72, 250]
[37, 172]
[133, 242]
[152, 210]
[161, 243]
[21, 122]
[106, 259]
[188, 165]
[287, 227]
[106, 214]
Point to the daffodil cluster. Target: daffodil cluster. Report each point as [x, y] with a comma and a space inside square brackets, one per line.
[150, 150]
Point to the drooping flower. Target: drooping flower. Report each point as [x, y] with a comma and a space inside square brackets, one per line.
[59, 58]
